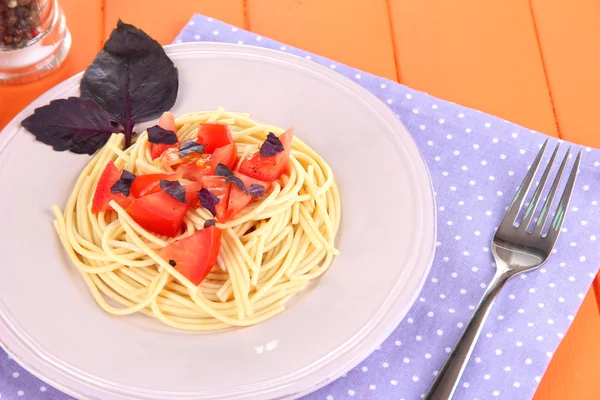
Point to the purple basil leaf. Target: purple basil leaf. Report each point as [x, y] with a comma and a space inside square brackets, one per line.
[158, 135]
[189, 147]
[123, 185]
[271, 146]
[257, 190]
[71, 124]
[131, 78]
[174, 189]
[237, 182]
[223, 170]
[208, 200]
[209, 222]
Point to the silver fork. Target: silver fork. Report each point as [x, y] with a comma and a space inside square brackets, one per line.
[516, 249]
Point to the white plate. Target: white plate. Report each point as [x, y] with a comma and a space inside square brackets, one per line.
[51, 325]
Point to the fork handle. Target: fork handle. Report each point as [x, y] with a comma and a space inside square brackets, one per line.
[447, 379]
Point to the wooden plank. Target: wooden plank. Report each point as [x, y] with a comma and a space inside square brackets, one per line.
[86, 30]
[573, 371]
[356, 33]
[569, 38]
[476, 54]
[149, 15]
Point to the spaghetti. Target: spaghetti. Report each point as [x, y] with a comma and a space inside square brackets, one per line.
[269, 252]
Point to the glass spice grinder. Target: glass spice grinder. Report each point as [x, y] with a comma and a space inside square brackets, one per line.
[34, 39]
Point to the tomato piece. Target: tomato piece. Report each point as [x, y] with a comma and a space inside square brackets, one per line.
[166, 121]
[159, 213]
[103, 194]
[238, 199]
[169, 157]
[191, 194]
[196, 170]
[206, 164]
[217, 186]
[150, 183]
[224, 155]
[157, 150]
[214, 135]
[195, 255]
[268, 169]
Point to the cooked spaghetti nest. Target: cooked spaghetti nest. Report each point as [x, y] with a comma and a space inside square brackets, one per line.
[269, 252]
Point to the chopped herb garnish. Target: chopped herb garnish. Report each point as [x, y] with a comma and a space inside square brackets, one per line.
[257, 190]
[123, 185]
[158, 135]
[189, 147]
[208, 200]
[223, 170]
[271, 146]
[209, 222]
[237, 182]
[172, 263]
[174, 189]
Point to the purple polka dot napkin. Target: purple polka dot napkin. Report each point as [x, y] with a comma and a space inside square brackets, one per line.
[476, 162]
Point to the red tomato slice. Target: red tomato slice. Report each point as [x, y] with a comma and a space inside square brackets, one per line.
[150, 183]
[159, 213]
[224, 155]
[268, 169]
[217, 186]
[207, 165]
[195, 255]
[238, 199]
[191, 190]
[214, 135]
[196, 170]
[157, 150]
[166, 121]
[170, 157]
[103, 194]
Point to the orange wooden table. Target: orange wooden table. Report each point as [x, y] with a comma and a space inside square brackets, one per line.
[533, 62]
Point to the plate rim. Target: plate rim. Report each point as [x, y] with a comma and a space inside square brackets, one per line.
[352, 355]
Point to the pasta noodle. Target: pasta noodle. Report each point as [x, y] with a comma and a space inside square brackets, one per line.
[269, 252]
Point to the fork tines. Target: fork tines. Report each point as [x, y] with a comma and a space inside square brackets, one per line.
[510, 218]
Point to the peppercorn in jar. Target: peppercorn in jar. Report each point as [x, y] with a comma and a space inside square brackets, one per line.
[18, 22]
[34, 39]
